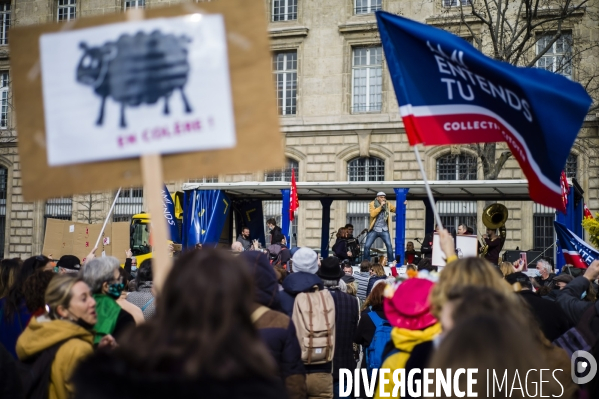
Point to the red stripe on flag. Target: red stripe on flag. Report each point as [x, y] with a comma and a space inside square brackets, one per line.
[575, 260]
[477, 128]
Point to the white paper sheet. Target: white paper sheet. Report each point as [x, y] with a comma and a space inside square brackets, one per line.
[74, 85]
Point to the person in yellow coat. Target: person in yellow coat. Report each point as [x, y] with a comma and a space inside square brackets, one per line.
[409, 312]
[69, 321]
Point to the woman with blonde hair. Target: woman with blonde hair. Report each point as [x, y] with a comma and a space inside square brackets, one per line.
[377, 272]
[506, 268]
[467, 272]
[65, 331]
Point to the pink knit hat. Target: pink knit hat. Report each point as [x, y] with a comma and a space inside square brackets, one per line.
[409, 307]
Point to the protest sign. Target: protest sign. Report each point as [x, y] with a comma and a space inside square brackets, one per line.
[65, 237]
[70, 108]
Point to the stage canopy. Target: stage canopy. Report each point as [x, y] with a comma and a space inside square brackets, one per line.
[487, 190]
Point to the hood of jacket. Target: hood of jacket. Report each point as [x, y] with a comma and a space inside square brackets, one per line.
[301, 282]
[266, 286]
[405, 340]
[42, 333]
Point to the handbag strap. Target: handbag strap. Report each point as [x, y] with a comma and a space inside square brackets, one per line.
[256, 314]
[144, 307]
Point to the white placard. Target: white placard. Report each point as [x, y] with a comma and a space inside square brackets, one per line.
[466, 247]
[138, 68]
[106, 241]
[72, 228]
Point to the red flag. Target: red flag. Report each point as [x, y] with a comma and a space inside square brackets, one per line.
[565, 186]
[587, 213]
[294, 201]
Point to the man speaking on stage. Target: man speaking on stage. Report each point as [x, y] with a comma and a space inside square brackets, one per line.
[380, 224]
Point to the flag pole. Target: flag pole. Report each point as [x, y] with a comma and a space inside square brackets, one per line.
[107, 217]
[428, 189]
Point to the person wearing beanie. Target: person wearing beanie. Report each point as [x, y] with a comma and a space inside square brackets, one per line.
[276, 329]
[303, 278]
[347, 314]
[408, 310]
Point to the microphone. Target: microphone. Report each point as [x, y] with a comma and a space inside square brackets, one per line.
[417, 240]
[364, 231]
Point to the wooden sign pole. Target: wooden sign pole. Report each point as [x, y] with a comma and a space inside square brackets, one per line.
[151, 168]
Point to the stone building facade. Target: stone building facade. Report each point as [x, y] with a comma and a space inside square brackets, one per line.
[339, 122]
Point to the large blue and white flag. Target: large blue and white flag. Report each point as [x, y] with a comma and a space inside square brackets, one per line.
[169, 215]
[576, 251]
[451, 93]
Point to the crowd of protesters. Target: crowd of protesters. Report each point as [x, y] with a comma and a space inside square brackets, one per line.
[280, 322]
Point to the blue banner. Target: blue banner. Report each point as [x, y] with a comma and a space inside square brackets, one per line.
[204, 216]
[451, 93]
[575, 250]
[169, 215]
[252, 217]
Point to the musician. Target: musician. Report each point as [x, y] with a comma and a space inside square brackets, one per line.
[340, 248]
[352, 242]
[495, 244]
[380, 224]
[462, 229]
[426, 249]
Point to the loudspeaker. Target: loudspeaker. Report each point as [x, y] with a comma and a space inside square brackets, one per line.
[531, 256]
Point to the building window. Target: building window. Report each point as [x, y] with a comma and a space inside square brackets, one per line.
[455, 213]
[273, 209]
[213, 179]
[67, 10]
[543, 230]
[4, 84]
[284, 10]
[455, 3]
[283, 174]
[366, 169]
[59, 208]
[558, 57]
[572, 166]
[129, 203]
[3, 192]
[128, 4]
[456, 167]
[5, 13]
[367, 79]
[285, 71]
[367, 6]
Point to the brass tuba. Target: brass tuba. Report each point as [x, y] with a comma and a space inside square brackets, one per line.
[494, 217]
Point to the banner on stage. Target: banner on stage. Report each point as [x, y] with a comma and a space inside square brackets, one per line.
[451, 93]
[465, 247]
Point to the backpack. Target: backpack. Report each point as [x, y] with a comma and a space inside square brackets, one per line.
[382, 335]
[579, 337]
[34, 372]
[274, 253]
[314, 319]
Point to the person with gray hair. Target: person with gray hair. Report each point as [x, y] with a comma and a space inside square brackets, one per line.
[544, 275]
[103, 277]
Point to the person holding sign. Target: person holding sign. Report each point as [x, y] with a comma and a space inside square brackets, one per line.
[380, 224]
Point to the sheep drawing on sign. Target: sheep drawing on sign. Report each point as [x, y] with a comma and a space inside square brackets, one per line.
[136, 70]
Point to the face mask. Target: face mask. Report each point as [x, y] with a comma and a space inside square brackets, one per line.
[82, 323]
[114, 290]
[584, 294]
[537, 273]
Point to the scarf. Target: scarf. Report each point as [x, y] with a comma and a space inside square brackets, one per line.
[378, 204]
[108, 311]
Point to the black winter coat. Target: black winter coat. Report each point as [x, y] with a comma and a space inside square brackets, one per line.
[276, 329]
[340, 249]
[574, 307]
[551, 318]
[109, 376]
